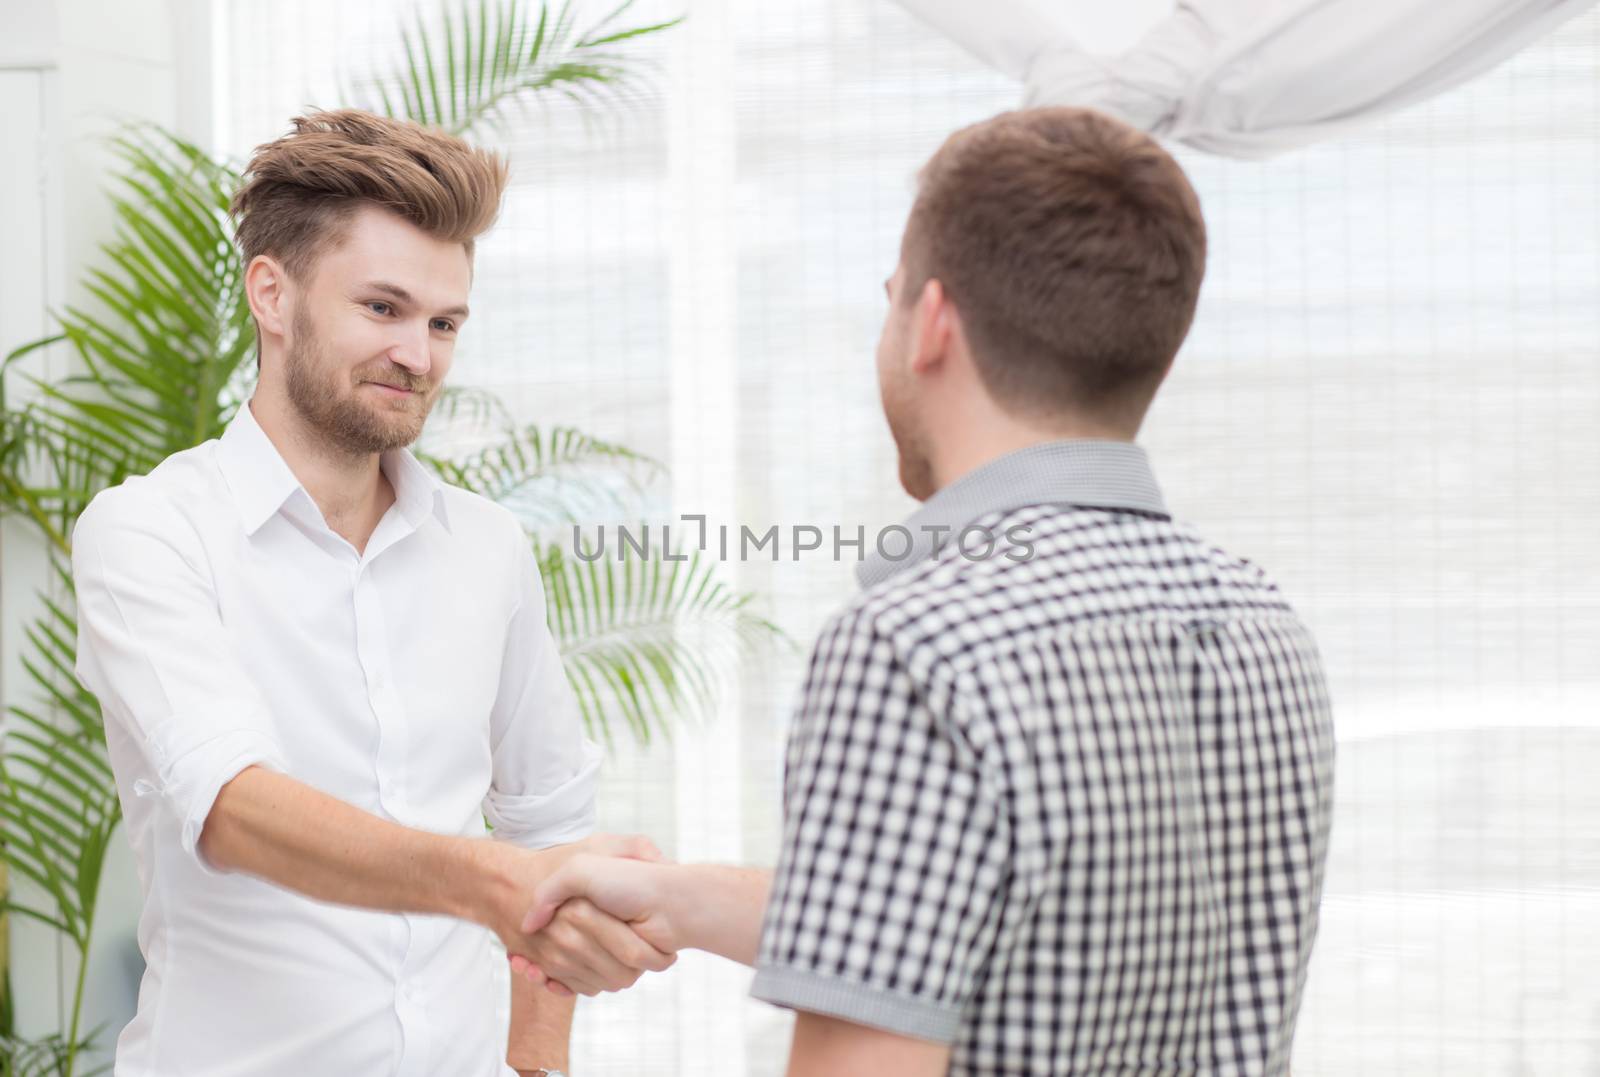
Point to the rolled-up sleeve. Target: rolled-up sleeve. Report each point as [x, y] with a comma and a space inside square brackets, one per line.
[153, 650]
[545, 770]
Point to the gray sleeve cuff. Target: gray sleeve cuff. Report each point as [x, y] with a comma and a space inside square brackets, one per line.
[862, 1004]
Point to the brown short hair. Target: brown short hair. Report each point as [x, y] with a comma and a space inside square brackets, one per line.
[1073, 247]
[299, 190]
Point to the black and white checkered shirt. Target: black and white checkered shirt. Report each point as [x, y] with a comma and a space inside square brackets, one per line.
[1064, 807]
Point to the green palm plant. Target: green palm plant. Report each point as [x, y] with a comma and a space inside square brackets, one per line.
[165, 355]
[464, 72]
[59, 810]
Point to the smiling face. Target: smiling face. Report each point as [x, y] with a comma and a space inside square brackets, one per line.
[372, 331]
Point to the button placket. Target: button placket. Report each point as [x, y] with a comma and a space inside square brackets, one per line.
[416, 1030]
[373, 650]
[390, 716]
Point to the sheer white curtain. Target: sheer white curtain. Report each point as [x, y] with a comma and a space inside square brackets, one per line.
[1387, 400]
[1250, 77]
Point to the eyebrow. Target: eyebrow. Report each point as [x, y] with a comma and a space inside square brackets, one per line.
[394, 291]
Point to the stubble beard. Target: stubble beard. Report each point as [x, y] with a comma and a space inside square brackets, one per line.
[337, 412]
[916, 466]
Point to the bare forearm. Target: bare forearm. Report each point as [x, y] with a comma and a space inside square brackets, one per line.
[718, 908]
[541, 1028]
[280, 829]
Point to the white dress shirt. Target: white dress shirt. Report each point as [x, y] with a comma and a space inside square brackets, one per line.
[222, 623]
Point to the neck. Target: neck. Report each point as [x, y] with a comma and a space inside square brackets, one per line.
[963, 448]
[351, 490]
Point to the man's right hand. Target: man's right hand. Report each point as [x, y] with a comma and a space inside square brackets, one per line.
[672, 907]
[280, 829]
[631, 890]
[588, 950]
[635, 890]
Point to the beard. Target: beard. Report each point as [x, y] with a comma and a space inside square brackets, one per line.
[354, 420]
[916, 463]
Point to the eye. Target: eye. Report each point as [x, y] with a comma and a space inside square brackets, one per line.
[444, 325]
[376, 303]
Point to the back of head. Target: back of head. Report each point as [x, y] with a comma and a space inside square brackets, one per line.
[298, 190]
[1072, 246]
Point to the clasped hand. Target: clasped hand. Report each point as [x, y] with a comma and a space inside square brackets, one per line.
[589, 926]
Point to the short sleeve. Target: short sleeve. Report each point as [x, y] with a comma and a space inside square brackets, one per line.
[885, 898]
[545, 770]
[154, 652]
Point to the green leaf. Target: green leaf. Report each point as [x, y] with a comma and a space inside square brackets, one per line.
[626, 637]
[496, 55]
[560, 475]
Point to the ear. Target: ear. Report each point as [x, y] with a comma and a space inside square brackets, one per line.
[932, 324]
[266, 287]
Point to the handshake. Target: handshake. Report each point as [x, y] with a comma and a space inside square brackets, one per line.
[588, 917]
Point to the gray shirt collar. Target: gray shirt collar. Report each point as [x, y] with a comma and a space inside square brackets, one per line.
[1087, 472]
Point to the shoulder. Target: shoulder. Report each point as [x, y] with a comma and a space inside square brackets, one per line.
[473, 513]
[166, 502]
[489, 532]
[879, 635]
[1052, 567]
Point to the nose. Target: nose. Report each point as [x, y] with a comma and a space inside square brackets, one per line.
[410, 351]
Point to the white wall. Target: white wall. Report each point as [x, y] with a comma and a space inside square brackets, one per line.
[70, 70]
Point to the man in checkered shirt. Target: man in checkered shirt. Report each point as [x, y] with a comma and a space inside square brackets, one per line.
[1057, 792]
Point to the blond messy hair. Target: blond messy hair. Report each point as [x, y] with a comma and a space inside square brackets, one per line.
[299, 190]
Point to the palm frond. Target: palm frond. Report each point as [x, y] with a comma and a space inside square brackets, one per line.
[52, 465]
[643, 639]
[58, 799]
[463, 72]
[52, 1055]
[466, 415]
[170, 328]
[58, 812]
[176, 323]
[43, 1057]
[550, 476]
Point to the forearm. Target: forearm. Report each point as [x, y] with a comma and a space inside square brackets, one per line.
[278, 828]
[541, 1028]
[718, 908]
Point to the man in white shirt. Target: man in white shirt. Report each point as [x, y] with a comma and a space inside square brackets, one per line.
[320, 667]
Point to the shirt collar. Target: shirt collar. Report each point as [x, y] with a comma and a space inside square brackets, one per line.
[261, 481]
[1088, 472]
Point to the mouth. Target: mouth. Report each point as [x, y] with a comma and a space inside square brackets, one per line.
[389, 390]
